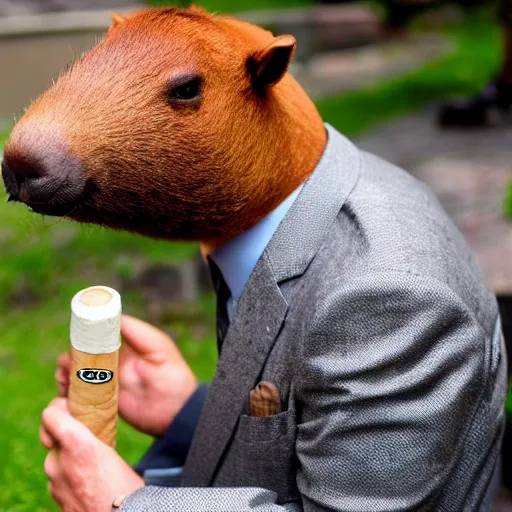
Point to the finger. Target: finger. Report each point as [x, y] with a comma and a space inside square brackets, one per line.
[146, 340]
[62, 389]
[69, 433]
[62, 378]
[62, 373]
[52, 467]
[46, 439]
[64, 362]
[61, 403]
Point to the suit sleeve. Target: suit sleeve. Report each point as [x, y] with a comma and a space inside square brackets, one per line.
[391, 371]
[167, 454]
[188, 499]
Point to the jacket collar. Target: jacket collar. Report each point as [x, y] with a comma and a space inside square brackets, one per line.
[237, 258]
[315, 209]
[262, 309]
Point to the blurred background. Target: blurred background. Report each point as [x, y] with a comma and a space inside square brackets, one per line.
[381, 71]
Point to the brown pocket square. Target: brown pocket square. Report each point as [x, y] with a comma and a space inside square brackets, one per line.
[264, 400]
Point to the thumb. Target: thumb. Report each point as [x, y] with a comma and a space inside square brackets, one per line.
[68, 432]
[147, 341]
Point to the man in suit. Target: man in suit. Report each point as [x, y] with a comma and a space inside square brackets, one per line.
[360, 303]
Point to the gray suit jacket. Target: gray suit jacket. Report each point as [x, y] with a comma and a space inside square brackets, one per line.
[368, 312]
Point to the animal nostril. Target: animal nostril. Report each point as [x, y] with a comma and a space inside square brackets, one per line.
[28, 171]
[16, 172]
[39, 170]
[10, 181]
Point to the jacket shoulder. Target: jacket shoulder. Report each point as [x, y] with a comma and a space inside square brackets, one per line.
[392, 223]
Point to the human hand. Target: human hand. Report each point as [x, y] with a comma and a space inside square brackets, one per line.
[154, 379]
[85, 475]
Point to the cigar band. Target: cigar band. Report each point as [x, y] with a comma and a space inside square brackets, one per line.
[95, 375]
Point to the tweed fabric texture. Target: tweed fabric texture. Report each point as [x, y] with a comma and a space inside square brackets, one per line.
[368, 312]
[183, 499]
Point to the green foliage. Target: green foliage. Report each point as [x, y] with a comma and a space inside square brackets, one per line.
[167, 3]
[3, 138]
[43, 264]
[507, 205]
[225, 6]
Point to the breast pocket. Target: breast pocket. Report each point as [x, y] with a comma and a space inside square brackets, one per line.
[265, 454]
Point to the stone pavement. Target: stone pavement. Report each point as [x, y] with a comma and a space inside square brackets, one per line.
[469, 170]
[330, 73]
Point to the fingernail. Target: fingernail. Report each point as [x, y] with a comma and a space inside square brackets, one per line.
[118, 502]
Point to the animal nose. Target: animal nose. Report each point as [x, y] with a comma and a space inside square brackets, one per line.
[28, 178]
[10, 181]
[39, 170]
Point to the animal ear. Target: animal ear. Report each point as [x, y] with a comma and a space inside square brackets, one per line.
[269, 65]
[117, 19]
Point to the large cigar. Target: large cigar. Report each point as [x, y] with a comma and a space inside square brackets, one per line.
[95, 341]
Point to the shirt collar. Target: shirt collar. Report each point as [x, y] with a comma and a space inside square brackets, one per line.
[237, 257]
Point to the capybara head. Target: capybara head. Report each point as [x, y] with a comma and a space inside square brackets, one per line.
[179, 124]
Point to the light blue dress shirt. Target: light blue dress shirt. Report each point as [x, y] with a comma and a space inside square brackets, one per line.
[237, 258]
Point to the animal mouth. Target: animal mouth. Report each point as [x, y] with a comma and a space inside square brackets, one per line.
[54, 206]
[53, 210]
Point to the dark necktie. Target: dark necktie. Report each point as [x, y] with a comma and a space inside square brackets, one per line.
[223, 294]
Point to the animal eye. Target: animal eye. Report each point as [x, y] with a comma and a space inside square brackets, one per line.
[184, 90]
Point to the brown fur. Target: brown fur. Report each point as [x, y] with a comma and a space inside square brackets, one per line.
[198, 172]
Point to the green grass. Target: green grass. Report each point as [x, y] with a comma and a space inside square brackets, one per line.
[228, 6]
[49, 264]
[55, 261]
[507, 204]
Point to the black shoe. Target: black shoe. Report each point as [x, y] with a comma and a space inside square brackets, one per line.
[489, 108]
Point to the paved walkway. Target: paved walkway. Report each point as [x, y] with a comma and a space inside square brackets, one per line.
[331, 73]
[469, 170]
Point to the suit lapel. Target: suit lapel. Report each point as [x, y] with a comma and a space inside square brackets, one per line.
[257, 322]
[262, 308]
